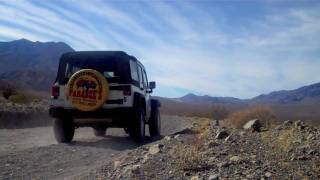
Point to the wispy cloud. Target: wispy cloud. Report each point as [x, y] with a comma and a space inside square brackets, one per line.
[204, 47]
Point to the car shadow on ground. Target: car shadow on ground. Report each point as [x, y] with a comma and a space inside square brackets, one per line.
[118, 143]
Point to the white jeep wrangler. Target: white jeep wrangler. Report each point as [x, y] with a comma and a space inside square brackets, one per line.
[103, 89]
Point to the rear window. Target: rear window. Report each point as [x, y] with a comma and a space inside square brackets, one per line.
[113, 69]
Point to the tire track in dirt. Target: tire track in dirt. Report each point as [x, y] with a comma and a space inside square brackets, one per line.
[33, 152]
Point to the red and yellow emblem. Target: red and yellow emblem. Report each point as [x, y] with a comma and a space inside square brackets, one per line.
[87, 90]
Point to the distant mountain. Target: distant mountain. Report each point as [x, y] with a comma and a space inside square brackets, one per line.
[29, 79]
[192, 98]
[31, 64]
[302, 103]
[25, 54]
[305, 94]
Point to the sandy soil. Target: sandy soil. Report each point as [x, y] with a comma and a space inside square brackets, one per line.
[33, 153]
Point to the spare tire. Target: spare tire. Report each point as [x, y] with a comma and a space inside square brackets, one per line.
[87, 90]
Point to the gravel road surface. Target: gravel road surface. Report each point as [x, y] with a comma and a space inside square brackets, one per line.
[33, 153]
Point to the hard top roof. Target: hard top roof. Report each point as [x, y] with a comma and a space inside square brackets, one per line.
[78, 55]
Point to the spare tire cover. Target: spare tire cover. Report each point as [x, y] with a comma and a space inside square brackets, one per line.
[87, 90]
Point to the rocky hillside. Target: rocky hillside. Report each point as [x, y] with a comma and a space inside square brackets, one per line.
[34, 113]
[25, 54]
[29, 79]
[206, 151]
[301, 103]
[30, 65]
[192, 98]
[306, 94]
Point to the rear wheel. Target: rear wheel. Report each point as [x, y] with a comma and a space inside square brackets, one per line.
[155, 123]
[126, 130]
[137, 128]
[63, 130]
[99, 131]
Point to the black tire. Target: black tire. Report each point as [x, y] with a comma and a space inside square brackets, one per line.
[63, 130]
[99, 131]
[137, 128]
[155, 123]
[126, 130]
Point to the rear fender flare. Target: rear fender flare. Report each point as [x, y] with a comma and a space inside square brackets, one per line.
[139, 101]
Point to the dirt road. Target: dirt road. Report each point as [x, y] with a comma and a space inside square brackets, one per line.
[34, 154]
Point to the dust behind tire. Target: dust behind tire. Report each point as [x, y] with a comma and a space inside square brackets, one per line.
[155, 123]
[137, 127]
[63, 130]
[99, 131]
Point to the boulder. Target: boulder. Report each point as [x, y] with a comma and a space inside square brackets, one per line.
[222, 134]
[228, 138]
[135, 169]
[212, 144]
[176, 136]
[168, 138]
[267, 174]
[235, 159]
[242, 133]
[116, 164]
[194, 178]
[287, 123]
[154, 149]
[213, 177]
[279, 127]
[223, 164]
[299, 125]
[253, 125]
[216, 123]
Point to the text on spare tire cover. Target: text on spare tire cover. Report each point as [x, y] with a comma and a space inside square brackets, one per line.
[86, 90]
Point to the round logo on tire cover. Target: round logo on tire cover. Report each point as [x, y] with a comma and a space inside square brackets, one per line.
[87, 90]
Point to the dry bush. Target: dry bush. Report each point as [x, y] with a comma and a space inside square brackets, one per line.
[18, 98]
[2, 99]
[264, 114]
[8, 91]
[189, 157]
[219, 112]
[202, 125]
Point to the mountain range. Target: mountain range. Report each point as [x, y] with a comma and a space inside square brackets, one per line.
[306, 94]
[302, 103]
[30, 65]
[33, 65]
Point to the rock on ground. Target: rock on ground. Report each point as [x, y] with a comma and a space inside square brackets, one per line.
[277, 154]
[253, 125]
[222, 134]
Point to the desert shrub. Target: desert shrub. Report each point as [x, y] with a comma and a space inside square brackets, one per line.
[264, 114]
[219, 112]
[18, 98]
[2, 99]
[190, 154]
[8, 91]
[202, 126]
[193, 114]
[189, 157]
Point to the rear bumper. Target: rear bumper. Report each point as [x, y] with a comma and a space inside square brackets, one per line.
[114, 113]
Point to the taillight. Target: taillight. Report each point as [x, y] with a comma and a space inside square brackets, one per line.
[127, 90]
[55, 91]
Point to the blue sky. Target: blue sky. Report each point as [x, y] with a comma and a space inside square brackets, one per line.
[220, 48]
